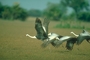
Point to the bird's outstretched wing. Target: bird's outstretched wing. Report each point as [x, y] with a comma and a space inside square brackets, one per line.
[45, 25]
[80, 39]
[39, 29]
[70, 43]
[61, 40]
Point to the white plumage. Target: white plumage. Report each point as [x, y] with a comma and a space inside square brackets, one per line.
[64, 38]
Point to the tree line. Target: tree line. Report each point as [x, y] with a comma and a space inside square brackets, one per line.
[81, 11]
[12, 13]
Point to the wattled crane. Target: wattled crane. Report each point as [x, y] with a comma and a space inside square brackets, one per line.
[42, 31]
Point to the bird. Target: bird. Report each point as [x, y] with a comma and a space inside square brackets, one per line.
[41, 29]
[84, 35]
[59, 39]
[70, 41]
[42, 32]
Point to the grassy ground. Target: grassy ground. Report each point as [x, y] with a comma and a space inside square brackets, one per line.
[73, 24]
[14, 45]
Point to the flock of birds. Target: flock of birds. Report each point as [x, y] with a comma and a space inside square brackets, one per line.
[55, 39]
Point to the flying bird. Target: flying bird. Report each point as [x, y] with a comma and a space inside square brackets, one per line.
[84, 35]
[41, 29]
[42, 33]
[59, 39]
[69, 41]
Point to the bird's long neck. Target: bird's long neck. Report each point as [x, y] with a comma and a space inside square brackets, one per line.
[30, 36]
[74, 34]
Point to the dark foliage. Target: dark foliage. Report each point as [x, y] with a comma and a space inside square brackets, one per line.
[12, 13]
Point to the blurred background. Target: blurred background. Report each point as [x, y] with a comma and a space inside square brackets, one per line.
[56, 10]
[17, 18]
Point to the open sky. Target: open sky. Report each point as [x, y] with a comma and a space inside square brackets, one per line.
[30, 4]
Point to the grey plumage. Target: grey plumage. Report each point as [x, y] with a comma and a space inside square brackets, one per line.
[70, 43]
[83, 36]
[41, 33]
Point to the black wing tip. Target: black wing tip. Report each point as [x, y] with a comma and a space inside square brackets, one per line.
[38, 20]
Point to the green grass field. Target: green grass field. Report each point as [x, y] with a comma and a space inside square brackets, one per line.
[14, 45]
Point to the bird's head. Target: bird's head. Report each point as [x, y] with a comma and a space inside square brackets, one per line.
[86, 35]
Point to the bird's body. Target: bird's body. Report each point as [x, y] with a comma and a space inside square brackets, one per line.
[52, 36]
[83, 36]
